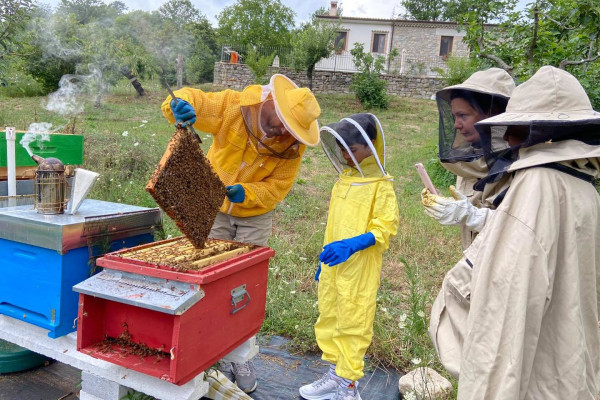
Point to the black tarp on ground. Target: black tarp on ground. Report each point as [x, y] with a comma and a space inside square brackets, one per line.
[280, 374]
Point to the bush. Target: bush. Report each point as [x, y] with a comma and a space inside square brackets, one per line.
[48, 71]
[370, 90]
[368, 86]
[20, 85]
[458, 69]
[259, 64]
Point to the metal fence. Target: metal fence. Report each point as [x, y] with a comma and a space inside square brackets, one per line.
[404, 63]
[282, 56]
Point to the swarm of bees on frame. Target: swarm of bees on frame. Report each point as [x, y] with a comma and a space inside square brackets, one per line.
[186, 187]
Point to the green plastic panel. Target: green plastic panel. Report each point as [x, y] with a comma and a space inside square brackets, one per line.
[14, 358]
[67, 148]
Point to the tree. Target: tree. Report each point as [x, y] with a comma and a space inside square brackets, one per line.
[311, 43]
[180, 12]
[562, 33]
[435, 10]
[14, 15]
[134, 31]
[425, 10]
[259, 64]
[119, 7]
[53, 49]
[204, 52]
[256, 22]
[185, 35]
[86, 11]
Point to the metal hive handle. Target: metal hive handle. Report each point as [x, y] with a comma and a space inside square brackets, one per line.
[237, 296]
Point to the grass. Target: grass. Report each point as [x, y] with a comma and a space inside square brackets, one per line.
[125, 138]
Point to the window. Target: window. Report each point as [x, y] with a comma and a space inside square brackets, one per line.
[341, 41]
[378, 42]
[446, 45]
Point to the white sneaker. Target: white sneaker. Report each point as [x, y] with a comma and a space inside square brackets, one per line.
[323, 389]
[343, 393]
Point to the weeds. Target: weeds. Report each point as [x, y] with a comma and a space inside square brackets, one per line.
[133, 395]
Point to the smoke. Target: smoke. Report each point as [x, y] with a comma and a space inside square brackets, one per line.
[48, 32]
[37, 132]
[65, 100]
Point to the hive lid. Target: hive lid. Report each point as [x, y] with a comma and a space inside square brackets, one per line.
[156, 294]
[185, 186]
[63, 232]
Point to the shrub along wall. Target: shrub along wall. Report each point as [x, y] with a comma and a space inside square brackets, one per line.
[238, 76]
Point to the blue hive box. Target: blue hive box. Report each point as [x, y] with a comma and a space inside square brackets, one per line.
[43, 256]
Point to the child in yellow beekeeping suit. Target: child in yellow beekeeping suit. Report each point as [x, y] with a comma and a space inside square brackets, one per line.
[363, 216]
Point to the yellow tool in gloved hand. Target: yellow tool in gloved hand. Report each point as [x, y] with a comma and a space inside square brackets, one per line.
[221, 388]
[455, 210]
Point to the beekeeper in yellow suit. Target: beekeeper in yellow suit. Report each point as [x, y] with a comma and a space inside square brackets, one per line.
[532, 329]
[363, 216]
[259, 135]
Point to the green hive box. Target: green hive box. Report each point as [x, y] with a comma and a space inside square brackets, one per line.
[67, 148]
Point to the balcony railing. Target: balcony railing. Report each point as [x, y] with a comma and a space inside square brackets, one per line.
[403, 64]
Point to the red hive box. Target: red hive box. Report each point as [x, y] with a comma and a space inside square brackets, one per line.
[165, 320]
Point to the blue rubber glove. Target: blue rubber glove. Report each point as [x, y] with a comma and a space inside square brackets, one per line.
[337, 252]
[236, 193]
[183, 112]
[318, 272]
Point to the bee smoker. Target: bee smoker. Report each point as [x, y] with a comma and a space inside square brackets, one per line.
[50, 186]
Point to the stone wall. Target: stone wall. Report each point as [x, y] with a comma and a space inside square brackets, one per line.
[423, 39]
[238, 76]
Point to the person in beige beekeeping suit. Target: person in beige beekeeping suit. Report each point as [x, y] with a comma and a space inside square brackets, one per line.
[484, 94]
[260, 134]
[532, 328]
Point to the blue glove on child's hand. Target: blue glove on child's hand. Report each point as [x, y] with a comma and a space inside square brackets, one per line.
[183, 112]
[236, 193]
[337, 252]
[318, 273]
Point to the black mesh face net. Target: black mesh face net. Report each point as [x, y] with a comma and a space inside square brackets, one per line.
[499, 154]
[455, 146]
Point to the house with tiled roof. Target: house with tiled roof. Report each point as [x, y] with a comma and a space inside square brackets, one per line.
[421, 46]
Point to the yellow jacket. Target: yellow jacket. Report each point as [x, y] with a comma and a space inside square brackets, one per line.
[266, 180]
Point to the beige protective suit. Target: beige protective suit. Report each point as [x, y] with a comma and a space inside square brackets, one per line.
[532, 326]
[495, 82]
[455, 288]
[532, 330]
